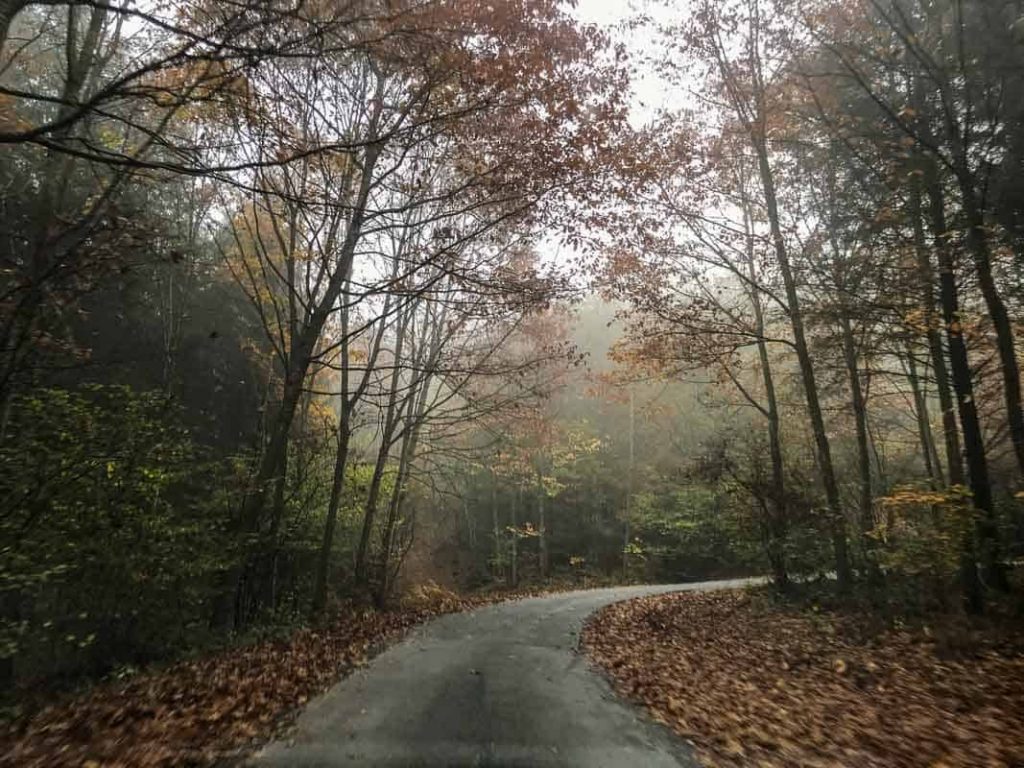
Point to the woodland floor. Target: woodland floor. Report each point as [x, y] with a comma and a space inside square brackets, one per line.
[755, 682]
[217, 708]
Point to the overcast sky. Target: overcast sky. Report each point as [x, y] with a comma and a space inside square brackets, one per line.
[649, 91]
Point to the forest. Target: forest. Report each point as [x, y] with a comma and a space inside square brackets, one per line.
[313, 308]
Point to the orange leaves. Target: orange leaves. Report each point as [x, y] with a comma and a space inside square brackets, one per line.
[754, 684]
[206, 88]
[217, 708]
[199, 712]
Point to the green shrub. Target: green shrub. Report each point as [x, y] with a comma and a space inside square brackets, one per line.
[111, 528]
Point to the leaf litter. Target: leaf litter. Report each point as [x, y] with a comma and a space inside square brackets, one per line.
[218, 708]
[756, 684]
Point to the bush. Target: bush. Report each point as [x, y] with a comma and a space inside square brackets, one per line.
[922, 534]
[111, 531]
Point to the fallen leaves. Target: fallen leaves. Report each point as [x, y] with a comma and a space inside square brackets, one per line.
[197, 712]
[218, 707]
[752, 684]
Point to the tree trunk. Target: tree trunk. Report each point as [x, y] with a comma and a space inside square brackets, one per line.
[977, 242]
[433, 326]
[777, 522]
[299, 359]
[628, 513]
[301, 354]
[974, 446]
[271, 554]
[361, 575]
[514, 542]
[837, 521]
[386, 439]
[499, 556]
[995, 574]
[866, 517]
[277, 447]
[950, 431]
[924, 429]
[337, 487]
[542, 526]
[52, 244]
[349, 399]
[409, 439]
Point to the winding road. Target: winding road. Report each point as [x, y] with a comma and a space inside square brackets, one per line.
[499, 686]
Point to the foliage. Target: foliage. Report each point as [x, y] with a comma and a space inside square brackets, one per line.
[694, 530]
[108, 544]
[922, 531]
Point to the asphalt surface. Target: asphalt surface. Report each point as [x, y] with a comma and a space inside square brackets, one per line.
[499, 686]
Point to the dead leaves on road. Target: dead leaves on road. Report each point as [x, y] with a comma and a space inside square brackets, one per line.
[758, 685]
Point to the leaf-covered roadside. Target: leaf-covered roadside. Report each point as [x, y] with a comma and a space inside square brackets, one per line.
[750, 683]
[221, 706]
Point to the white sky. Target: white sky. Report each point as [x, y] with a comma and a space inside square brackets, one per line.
[649, 92]
[603, 11]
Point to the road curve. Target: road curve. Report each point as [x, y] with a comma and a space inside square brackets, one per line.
[499, 686]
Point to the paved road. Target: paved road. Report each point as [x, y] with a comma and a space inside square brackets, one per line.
[500, 686]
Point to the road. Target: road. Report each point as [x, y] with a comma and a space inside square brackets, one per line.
[499, 686]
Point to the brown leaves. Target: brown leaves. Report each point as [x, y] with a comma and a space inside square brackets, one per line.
[220, 707]
[200, 711]
[752, 685]
[217, 707]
